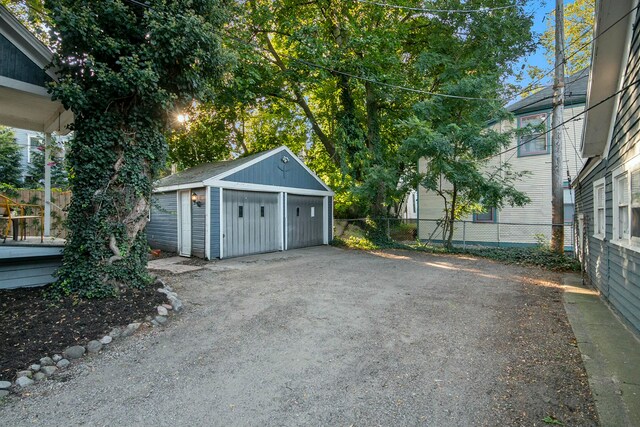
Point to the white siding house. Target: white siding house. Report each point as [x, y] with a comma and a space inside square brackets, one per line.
[531, 224]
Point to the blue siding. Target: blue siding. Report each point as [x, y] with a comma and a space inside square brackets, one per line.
[198, 218]
[214, 227]
[25, 266]
[613, 269]
[16, 65]
[162, 230]
[272, 171]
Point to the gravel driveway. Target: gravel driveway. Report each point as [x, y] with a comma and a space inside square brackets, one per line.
[326, 336]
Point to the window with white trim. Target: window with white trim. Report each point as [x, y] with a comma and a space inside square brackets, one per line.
[33, 142]
[599, 219]
[621, 206]
[634, 206]
[534, 139]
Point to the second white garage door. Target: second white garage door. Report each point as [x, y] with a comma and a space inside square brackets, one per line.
[304, 221]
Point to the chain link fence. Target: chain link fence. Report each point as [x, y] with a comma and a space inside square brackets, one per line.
[465, 233]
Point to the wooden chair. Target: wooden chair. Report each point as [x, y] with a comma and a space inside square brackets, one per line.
[16, 214]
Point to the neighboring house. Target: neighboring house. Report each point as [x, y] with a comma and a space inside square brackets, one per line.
[531, 224]
[265, 202]
[408, 208]
[608, 187]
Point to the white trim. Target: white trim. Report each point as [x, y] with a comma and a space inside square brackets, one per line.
[207, 223]
[623, 70]
[179, 217]
[281, 219]
[615, 176]
[221, 252]
[181, 249]
[325, 218]
[266, 188]
[332, 218]
[25, 87]
[585, 171]
[285, 223]
[596, 225]
[627, 245]
[260, 158]
[180, 187]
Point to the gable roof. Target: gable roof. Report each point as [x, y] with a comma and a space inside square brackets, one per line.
[575, 92]
[612, 31]
[25, 102]
[198, 174]
[212, 173]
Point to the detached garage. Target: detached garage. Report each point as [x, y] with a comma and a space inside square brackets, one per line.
[266, 202]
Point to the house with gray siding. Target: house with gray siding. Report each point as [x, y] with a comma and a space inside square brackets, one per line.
[608, 186]
[269, 201]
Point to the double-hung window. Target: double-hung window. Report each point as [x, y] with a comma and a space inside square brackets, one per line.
[626, 207]
[599, 209]
[488, 216]
[533, 140]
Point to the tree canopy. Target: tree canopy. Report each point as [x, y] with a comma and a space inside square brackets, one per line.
[10, 158]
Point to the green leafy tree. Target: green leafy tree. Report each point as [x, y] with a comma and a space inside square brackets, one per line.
[343, 65]
[35, 170]
[10, 157]
[126, 68]
[31, 13]
[578, 32]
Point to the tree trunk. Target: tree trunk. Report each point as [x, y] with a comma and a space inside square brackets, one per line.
[452, 218]
[373, 144]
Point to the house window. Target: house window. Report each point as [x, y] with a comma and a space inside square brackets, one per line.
[534, 139]
[621, 206]
[33, 142]
[488, 216]
[598, 209]
[634, 202]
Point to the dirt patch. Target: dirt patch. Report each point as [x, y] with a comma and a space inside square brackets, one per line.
[33, 325]
[545, 378]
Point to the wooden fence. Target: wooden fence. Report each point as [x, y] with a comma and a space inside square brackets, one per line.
[59, 202]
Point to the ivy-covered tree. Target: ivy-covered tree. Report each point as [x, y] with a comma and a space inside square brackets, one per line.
[35, 170]
[10, 157]
[125, 69]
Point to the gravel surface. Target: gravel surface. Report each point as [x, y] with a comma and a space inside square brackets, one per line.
[326, 336]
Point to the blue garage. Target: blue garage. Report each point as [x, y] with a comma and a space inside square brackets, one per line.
[270, 201]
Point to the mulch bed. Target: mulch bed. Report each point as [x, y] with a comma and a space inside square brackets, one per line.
[33, 325]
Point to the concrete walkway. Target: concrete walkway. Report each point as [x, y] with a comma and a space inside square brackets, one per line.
[611, 355]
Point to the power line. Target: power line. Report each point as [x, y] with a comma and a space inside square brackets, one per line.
[355, 76]
[566, 121]
[420, 9]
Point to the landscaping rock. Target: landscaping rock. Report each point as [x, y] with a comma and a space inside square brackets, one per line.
[39, 376]
[175, 303]
[4, 385]
[57, 358]
[48, 370]
[34, 367]
[160, 319]
[63, 363]
[131, 328]
[162, 311]
[106, 339]
[74, 352]
[154, 323]
[4, 393]
[115, 333]
[159, 282]
[46, 361]
[94, 346]
[24, 382]
[25, 373]
[167, 306]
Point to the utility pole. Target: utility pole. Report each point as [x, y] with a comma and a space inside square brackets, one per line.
[557, 192]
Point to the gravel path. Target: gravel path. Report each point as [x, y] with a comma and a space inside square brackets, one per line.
[325, 336]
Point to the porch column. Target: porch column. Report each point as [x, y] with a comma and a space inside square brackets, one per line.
[47, 184]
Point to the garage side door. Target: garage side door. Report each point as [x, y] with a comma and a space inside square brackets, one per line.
[250, 223]
[304, 221]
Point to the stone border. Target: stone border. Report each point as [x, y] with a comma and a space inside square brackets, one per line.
[49, 365]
